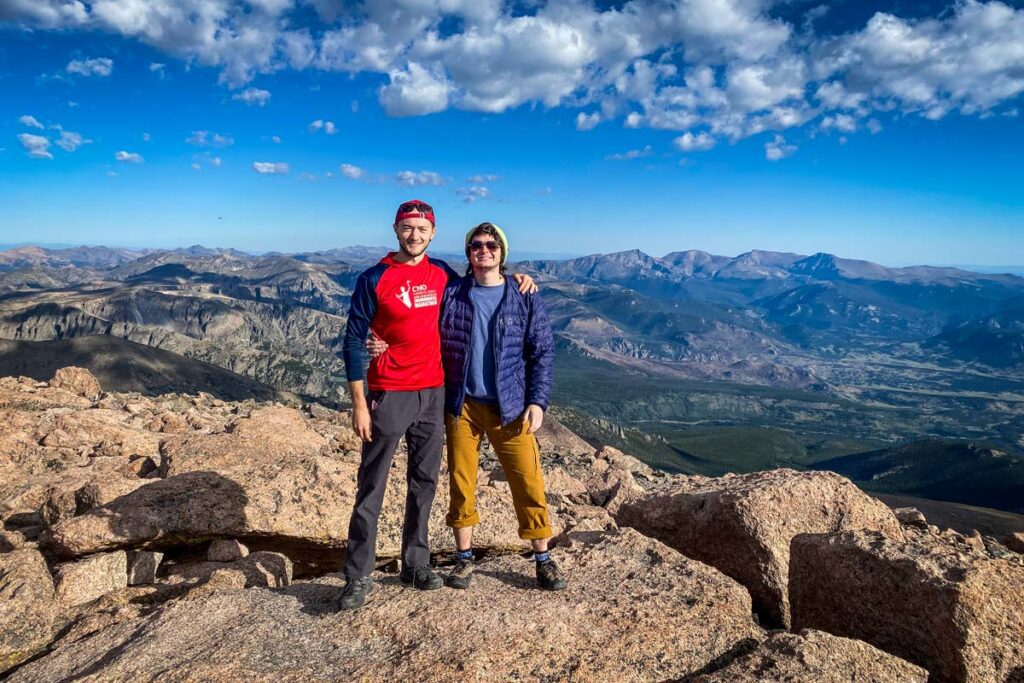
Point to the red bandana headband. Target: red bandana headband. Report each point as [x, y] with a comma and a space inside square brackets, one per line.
[414, 208]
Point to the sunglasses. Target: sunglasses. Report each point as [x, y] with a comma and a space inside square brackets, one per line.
[477, 245]
[415, 206]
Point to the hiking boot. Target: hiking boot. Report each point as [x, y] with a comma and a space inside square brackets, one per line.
[549, 576]
[354, 594]
[461, 575]
[424, 578]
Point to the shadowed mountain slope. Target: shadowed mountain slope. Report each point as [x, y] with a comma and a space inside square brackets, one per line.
[955, 471]
[125, 366]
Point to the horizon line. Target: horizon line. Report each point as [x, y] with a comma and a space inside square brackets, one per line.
[1013, 269]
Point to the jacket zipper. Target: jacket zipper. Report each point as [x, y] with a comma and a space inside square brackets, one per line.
[499, 329]
[469, 352]
[498, 339]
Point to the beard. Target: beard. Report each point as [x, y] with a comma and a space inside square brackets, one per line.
[413, 250]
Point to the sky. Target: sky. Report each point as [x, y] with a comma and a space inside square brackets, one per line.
[889, 131]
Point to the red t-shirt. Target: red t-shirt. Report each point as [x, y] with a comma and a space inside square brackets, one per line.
[401, 303]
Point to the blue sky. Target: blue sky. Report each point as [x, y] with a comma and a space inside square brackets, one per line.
[885, 131]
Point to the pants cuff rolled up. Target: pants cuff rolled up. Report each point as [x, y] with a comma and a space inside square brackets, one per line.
[463, 522]
[535, 534]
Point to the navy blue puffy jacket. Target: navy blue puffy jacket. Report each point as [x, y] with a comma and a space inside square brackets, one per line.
[524, 349]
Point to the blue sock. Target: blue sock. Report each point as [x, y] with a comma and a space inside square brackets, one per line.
[466, 554]
[542, 557]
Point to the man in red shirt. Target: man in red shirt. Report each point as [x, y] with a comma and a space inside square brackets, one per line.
[399, 301]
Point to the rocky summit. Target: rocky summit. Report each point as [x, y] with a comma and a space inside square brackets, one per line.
[744, 525]
[189, 538]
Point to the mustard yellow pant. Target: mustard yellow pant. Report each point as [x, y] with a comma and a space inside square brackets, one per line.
[520, 459]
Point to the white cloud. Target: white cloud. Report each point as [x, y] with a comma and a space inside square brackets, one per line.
[326, 126]
[731, 67]
[157, 67]
[834, 95]
[205, 138]
[210, 32]
[481, 178]
[757, 87]
[473, 193]
[99, 66]
[199, 160]
[146, 137]
[70, 141]
[969, 61]
[415, 91]
[841, 122]
[252, 96]
[196, 166]
[36, 146]
[587, 121]
[632, 154]
[45, 13]
[129, 157]
[688, 142]
[297, 48]
[273, 7]
[30, 121]
[777, 149]
[679, 106]
[727, 28]
[270, 167]
[542, 58]
[874, 126]
[416, 179]
[350, 171]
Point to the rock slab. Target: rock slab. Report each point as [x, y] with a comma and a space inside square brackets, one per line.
[743, 524]
[92, 577]
[1015, 542]
[262, 569]
[951, 609]
[78, 381]
[911, 517]
[237, 485]
[818, 657]
[226, 550]
[635, 610]
[28, 606]
[143, 566]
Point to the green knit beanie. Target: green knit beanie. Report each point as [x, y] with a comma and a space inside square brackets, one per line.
[499, 233]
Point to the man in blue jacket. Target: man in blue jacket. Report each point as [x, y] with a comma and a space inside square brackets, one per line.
[498, 355]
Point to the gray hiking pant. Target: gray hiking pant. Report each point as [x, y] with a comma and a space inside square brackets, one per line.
[419, 416]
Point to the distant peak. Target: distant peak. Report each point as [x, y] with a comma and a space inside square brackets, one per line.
[687, 254]
[816, 261]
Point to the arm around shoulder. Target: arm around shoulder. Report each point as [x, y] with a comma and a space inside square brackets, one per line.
[539, 351]
[361, 312]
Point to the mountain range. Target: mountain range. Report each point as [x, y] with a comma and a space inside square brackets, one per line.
[701, 363]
